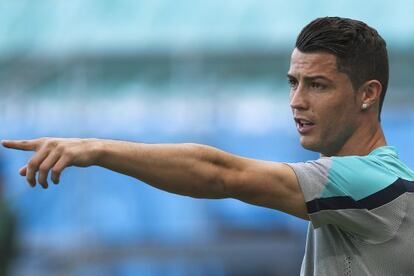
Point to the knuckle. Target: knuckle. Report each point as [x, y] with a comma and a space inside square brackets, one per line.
[69, 154]
[60, 148]
[32, 164]
[43, 168]
[64, 149]
[50, 143]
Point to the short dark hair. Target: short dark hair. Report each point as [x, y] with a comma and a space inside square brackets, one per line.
[361, 52]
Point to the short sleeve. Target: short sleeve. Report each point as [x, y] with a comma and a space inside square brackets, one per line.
[357, 194]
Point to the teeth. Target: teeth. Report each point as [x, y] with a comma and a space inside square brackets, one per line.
[304, 123]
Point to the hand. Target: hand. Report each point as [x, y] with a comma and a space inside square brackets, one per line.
[53, 154]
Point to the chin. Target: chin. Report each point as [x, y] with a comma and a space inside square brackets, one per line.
[310, 144]
[325, 149]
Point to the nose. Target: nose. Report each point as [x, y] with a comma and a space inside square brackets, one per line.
[298, 98]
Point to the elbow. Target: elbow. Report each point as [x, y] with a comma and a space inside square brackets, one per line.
[228, 183]
[214, 187]
[216, 173]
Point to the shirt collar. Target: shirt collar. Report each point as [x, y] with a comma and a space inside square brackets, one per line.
[385, 150]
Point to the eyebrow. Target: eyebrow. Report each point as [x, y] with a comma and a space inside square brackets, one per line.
[310, 78]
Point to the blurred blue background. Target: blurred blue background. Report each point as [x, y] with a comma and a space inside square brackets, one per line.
[157, 71]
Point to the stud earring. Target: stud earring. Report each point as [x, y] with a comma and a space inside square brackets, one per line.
[364, 106]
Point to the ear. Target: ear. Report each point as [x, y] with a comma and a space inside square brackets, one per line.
[370, 94]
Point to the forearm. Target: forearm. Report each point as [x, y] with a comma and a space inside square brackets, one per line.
[187, 169]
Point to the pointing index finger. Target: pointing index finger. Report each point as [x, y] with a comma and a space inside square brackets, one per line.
[27, 145]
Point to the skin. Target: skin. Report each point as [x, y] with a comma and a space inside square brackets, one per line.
[341, 127]
[325, 96]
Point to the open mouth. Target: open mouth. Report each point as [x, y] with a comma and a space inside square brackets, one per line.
[303, 125]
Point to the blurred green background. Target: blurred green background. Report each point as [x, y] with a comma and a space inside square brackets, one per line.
[211, 72]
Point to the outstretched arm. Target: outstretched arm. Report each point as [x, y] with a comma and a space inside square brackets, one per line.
[188, 169]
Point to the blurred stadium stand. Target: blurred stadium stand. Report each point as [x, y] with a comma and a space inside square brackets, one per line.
[211, 72]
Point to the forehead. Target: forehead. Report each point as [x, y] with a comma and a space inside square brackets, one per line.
[318, 63]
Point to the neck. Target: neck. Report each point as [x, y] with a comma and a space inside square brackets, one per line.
[364, 140]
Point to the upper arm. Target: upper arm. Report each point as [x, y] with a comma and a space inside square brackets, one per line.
[268, 184]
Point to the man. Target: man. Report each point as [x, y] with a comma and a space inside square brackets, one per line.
[357, 195]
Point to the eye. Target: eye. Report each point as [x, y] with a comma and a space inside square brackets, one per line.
[292, 83]
[317, 86]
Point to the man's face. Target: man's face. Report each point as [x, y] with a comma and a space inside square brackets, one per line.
[323, 102]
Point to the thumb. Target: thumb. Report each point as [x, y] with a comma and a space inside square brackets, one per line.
[23, 171]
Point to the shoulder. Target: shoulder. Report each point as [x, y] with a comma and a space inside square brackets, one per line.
[359, 194]
[354, 176]
[357, 176]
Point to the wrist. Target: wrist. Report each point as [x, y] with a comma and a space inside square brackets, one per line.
[97, 148]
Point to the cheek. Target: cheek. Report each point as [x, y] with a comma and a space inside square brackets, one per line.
[338, 123]
[334, 118]
[339, 106]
